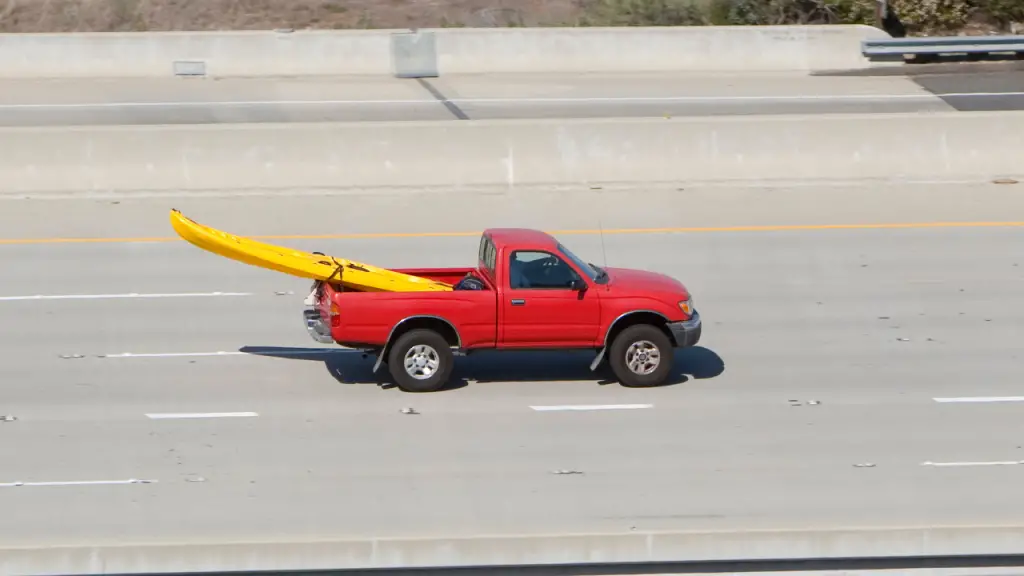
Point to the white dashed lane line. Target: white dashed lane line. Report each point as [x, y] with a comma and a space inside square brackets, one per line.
[979, 399]
[975, 400]
[584, 407]
[130, 295]
[255, 354]
[960, 464]
[171, 354]
[192, 415]
[76, 483]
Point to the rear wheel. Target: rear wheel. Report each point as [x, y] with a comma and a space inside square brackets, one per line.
[641, 355]
[420, 361]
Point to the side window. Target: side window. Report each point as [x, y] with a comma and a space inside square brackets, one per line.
[491, 258]
[488, 256]
[535, 269]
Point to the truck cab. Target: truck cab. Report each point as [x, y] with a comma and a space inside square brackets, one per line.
[527, 291]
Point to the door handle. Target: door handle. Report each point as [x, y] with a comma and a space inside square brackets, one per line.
[518, 302]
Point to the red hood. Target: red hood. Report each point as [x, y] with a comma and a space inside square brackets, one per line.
[629, 280]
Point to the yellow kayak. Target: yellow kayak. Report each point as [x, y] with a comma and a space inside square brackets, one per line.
[350, 274]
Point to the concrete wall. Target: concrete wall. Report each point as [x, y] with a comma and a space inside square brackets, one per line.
[596, 550]
[131, 54]
[270, 53]
[475, 154]
[703, 48]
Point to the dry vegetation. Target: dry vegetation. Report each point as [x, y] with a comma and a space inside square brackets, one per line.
[152, 15]
[919, 16]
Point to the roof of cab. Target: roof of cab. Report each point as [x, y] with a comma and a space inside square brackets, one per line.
[522, 236]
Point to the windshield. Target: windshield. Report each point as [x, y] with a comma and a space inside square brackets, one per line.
[595, 273]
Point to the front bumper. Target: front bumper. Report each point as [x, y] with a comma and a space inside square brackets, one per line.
[687, 332]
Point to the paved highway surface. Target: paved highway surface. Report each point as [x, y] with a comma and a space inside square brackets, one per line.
[810, 403]
[200, 101]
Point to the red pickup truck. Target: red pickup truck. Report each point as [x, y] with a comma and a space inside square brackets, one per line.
[527, 292]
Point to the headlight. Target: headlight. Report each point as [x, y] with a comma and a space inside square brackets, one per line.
[687, 306]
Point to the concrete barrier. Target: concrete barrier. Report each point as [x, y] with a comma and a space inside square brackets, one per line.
[916, 546]
[509, 154]
[436, 51]
[145, 54]
[654, 49]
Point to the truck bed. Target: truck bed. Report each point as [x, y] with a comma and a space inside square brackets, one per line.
[446, 275]
[358, 318]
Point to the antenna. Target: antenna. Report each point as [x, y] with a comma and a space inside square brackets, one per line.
[604, 254]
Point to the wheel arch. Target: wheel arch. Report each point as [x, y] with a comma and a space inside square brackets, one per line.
[438, 324]
[634, 317]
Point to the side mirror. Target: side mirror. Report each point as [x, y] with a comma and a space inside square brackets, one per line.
[578, 285]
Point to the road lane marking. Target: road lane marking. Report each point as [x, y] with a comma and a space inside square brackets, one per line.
[583, 407]
[187, 415]
[170, 354]
[924, 96]
[995, 463]
[272, 353]
[979, 399]
[116, 296]
[571, 232]
[77, 483]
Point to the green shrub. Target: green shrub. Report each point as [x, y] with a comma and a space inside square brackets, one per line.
[1003, 12]
[779, 12]
[932, 16]
[728, 12]
[646, 13]
[918, 16]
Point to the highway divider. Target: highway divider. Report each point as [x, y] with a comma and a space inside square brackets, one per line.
[682, 552]
[510, 154]
[432, 52]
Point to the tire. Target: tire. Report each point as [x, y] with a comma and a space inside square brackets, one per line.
[435, 351]
[642, 335]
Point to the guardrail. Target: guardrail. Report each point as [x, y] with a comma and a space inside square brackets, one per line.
[926, 48]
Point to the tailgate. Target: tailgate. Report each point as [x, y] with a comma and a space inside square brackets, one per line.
[318, 314]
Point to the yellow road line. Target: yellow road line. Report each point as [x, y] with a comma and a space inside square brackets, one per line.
[672, 230]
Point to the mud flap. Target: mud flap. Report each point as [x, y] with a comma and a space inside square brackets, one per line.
[597, 361]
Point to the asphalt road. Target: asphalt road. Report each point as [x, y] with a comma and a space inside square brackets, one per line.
[873, 324]
[202, 101]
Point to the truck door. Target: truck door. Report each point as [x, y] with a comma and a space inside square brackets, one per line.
[541, 308]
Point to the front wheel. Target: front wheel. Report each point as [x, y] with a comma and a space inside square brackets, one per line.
[641, 355]
[420, 361]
